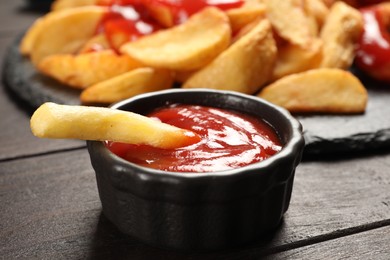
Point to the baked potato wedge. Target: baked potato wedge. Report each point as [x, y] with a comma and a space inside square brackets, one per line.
[290, 21]
[61, 32]
[188, 46]
[126, 85]
[340, 33]
[83, 70]
[324, 90]
[244, 67]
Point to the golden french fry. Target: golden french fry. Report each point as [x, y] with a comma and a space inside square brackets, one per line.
[84, 70]
[64, 31]
[65, 4]
[127, 85]
[290, 21]
[96, 43]
[293, 59]
[188, 46]
[51, 120]
[244, 67]
[341, 30]
[319, 90]
[249, 12]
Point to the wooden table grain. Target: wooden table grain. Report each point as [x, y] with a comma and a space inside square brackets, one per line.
[50, 209]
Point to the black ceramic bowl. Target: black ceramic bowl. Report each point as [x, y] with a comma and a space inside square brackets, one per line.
[200, 211]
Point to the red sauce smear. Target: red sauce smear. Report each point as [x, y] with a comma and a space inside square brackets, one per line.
[373, 53]
[229, 140]
[128, 20]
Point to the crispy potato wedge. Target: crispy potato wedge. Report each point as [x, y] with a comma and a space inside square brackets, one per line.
[294, 59]
[318, 10]
[342, 29]
[29, 37]
[290, 21]
[51, 120]
[127, 85]
[96, 43]
[66, 4]
[160, 13]
[188, 46]
[320, 90]
[244, 67]
[64, 31]
[83, 70]
[249, 12]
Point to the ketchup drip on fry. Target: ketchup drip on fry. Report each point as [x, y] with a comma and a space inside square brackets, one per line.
[229, 140]
[129, 20]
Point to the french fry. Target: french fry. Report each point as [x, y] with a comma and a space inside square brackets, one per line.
[343, 27]
[83, 70]
[51, 120]
[319, 90]
[62, 32]
[290, 21]
[127, 85]
[244, 67]
[188, 46]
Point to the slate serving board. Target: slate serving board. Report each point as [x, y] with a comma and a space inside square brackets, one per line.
[324, 134]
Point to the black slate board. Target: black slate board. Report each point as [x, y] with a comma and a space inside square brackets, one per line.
[324, 134]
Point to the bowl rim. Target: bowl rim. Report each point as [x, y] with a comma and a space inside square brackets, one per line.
[292, 146]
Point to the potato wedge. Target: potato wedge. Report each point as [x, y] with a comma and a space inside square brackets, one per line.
[29, 37]
[66, 4]
[249, 12]
[318, 10]
[244, 67]
[294, 59]
[290, 21]
[96, 43]
[83, 70]
[64, 31]
[160, 13]
[127, 85]
[342, 29]
[51, 120]
[188, 46]
[320, 90]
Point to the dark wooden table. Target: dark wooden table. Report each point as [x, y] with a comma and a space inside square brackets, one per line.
[50, 209]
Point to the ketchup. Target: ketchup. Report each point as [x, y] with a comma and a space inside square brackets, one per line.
[128, 20]
[229, 140]
[182, 9]
[373, 52]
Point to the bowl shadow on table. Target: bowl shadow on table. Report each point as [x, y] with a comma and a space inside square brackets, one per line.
[109, 243]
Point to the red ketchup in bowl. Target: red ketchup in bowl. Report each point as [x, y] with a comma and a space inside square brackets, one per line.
[229, 140]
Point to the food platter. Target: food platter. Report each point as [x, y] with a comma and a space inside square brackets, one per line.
[324, 134]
